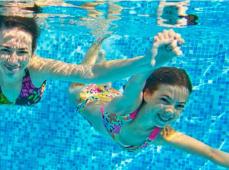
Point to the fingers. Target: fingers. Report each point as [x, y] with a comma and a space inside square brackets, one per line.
[172, 47]
[177, 51]
[171, 41]
[168, 35]
[178, 37]
[175, 48]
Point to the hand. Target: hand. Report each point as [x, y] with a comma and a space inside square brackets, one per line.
[166, 46]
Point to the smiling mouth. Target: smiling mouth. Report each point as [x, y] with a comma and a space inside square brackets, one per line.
[163, 119]
[12, 68]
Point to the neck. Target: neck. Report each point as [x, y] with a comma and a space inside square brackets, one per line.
[6, 81]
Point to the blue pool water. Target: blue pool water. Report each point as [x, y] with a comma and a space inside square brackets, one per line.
[53, 136]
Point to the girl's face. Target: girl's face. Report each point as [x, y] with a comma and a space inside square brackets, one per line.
[15, 52]
[166, 103]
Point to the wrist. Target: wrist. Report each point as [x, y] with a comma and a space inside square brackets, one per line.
[220, 157]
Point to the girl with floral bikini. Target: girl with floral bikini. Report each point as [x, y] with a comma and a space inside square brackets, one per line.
[151, 101]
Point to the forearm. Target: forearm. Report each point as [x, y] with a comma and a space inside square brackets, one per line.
[117, 69]
[50, 69]
[189, 144]
[194, 146]
[99, 73]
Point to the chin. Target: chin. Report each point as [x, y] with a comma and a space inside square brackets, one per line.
[160, 124]
[12, 74]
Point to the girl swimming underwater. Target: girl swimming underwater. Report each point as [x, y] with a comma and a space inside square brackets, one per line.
[151, 101]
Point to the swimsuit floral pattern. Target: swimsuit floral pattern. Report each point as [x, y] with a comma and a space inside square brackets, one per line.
[29, 94]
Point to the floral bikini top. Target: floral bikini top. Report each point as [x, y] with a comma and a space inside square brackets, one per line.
[114, 122]
[29, 94]
[99, 94]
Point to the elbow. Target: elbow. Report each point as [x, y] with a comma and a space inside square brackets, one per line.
[86, 74]
[102, 65]
[93, 74]
[100, 73]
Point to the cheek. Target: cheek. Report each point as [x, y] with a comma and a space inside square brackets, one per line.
[3, 58]
[155, 108]
[24, 61]
[178, 114]
[159, 106]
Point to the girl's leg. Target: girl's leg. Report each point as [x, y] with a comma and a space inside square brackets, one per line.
[93, 56]
[74, 92]
[94, 53]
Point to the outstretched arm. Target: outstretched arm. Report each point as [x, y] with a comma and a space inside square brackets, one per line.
[90, 71]
[191, 145]
[99, 73]
[165, 47]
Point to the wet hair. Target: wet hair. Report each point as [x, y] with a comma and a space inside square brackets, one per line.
[28, 25]
[169, 76]
[35, 9]
[191, 19]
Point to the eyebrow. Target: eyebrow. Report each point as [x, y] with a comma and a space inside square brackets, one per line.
[171, 98]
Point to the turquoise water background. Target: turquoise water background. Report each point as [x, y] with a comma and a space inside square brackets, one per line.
[53, 136]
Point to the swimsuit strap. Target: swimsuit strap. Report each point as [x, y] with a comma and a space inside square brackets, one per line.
[154, 133]
[133, 115]
[102, 109]
[148, 140]
[114, 122]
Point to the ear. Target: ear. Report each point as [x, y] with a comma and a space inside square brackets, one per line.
[147, 95]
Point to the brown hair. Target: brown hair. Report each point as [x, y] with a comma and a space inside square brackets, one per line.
[169, 76]
[191, 19]
[26, 24]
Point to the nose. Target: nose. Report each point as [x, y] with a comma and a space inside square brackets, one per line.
[170, 109]
[13, 58]
[170, 112]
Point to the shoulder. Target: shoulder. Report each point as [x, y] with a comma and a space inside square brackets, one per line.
[166, 134]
